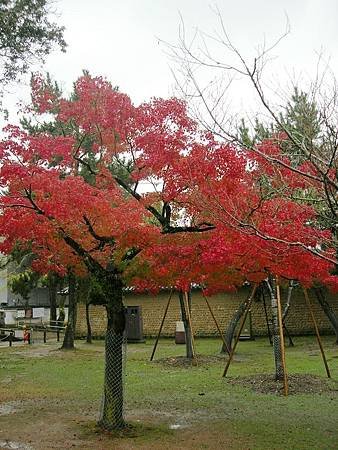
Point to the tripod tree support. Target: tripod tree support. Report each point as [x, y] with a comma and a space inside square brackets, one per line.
[161, 326]
[216, 323]
[307, 298]
[186, 305]
[231, 355]
[281, 335]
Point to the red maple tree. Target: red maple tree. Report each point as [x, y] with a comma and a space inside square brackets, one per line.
[74, 191]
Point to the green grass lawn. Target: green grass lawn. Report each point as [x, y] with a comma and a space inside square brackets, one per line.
[51, 398]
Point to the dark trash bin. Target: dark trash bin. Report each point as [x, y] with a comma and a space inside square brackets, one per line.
[134, 324]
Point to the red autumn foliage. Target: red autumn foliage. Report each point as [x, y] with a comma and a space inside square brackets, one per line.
[205, 183]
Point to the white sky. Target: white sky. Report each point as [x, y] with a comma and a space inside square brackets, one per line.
[119, 39]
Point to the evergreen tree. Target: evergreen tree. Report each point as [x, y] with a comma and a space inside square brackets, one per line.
[27, 35]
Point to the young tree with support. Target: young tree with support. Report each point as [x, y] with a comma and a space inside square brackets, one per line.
[190, 343]
[244, 214]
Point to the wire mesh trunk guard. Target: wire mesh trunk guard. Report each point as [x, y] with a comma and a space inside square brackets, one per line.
[112, 407]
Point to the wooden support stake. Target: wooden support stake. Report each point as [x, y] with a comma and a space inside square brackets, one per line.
[240, 330]
[307, 298]
[186, 304]
[216, 323]
[281, 336]
[161, 326]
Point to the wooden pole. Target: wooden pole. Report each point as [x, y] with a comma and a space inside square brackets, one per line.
[307, 298]
[161, 326]
[216, 323]
[190, 325]
[281, 335]
[240, 330]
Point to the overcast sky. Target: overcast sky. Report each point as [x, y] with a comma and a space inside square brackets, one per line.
[119, 39]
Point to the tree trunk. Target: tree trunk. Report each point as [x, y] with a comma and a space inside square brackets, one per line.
[112, 403]
[68, 341]
[89, 328]
[288, 301]
[230, 331]
[52, 289]
[330, 314]
[276, 341]
[266, 314]
[187, 329]
[286, 311]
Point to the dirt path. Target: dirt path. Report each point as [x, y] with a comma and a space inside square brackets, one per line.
[37, 425]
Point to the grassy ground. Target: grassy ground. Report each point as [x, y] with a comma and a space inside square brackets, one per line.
[49, 399]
